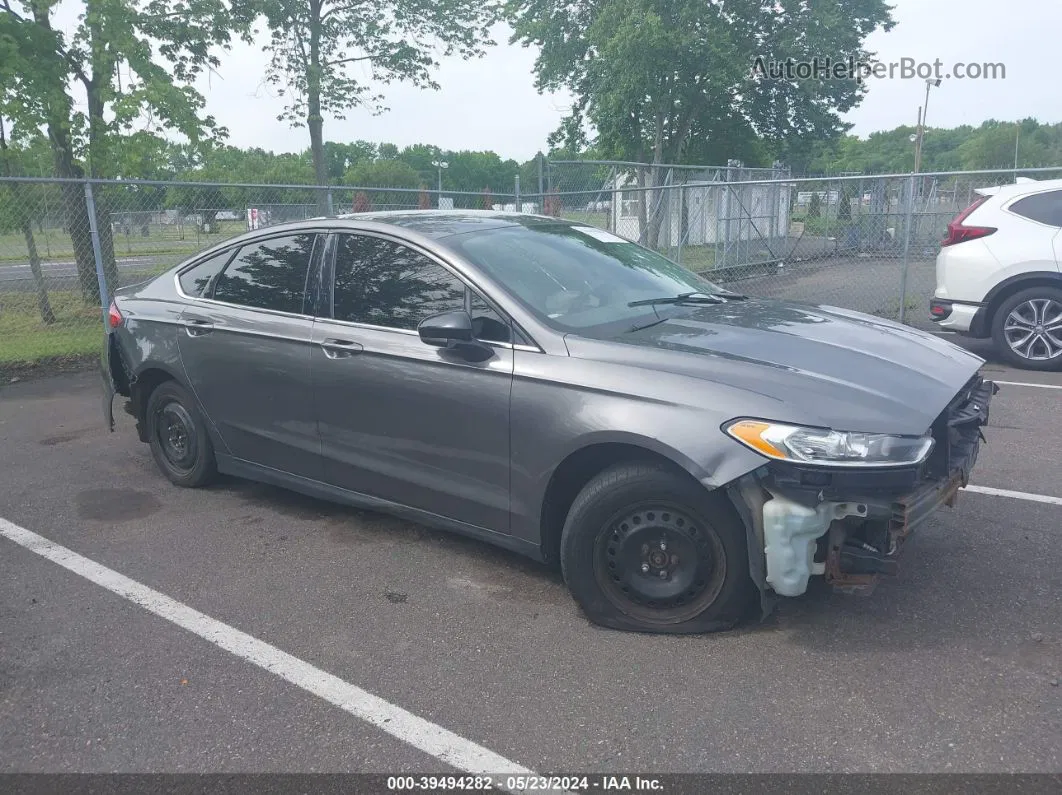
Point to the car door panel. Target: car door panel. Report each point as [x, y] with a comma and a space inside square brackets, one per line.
[251, 373]
[414, 424]
[410, 422]
[250, 366]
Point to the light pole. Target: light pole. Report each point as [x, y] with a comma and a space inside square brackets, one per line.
[923, 112]
[440, 164]
[1017, 144]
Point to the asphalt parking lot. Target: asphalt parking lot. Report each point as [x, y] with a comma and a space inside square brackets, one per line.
[954, 666]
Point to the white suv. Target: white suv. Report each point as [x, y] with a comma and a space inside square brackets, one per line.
[998, 273]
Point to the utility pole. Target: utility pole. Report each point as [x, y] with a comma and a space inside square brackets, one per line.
[1017, 143]
[923, 113]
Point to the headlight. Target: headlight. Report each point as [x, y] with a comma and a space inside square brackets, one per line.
[830, 448]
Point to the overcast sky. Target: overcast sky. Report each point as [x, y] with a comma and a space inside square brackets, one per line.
[491, 103]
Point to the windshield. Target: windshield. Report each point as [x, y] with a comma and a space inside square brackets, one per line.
[575, 277]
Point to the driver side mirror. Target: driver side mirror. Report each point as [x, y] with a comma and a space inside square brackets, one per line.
[453, 331]
[446, 328]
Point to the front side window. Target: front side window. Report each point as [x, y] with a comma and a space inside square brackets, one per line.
[270, 274]
[488, 325]
[383, 283]
[1045, 208]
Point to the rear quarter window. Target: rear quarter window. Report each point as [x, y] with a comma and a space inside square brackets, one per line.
[197, 280]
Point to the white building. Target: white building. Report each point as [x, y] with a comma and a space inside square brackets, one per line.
[704, 213]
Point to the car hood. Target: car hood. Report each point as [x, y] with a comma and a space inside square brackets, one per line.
[816, 365]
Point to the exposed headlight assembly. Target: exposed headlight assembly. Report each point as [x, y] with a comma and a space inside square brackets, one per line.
[825, 447]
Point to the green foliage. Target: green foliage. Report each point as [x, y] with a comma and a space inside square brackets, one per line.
[650, 76]
[989, 146]
[327, 55]
[383, 174]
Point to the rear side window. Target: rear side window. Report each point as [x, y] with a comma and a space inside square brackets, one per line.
[1045, 208]
[196, 281]
[383, 283]
[270, 274]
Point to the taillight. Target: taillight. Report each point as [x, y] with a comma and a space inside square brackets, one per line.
[114, 317]
[958, 232]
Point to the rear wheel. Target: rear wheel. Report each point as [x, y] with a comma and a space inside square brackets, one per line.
[1027, 329]
[178, 436]
[649, 550]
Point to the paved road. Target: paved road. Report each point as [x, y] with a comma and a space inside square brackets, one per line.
[947, 668]
[18, 278]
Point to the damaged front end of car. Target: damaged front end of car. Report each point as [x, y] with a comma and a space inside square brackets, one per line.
[848, 524]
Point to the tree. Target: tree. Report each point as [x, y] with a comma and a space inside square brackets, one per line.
[652, 77]
[316, 45]
[21, 211]
[126, 64]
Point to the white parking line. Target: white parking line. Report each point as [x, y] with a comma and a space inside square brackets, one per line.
[1019, 383]
[1015, 495]
[422, 734]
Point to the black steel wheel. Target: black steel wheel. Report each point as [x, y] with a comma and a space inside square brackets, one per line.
[658, 563]
[178, 436]
[647, 548]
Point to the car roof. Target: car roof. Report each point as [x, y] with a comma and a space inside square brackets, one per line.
[443, 223]
[435, 224]
[1021, 187]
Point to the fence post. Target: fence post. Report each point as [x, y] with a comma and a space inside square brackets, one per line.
[331, 205]
[541, 157]
[909, 216]
[516, 185]
[97, 251]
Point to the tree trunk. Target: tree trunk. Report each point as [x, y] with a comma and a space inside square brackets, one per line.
[102, 70]
[656, 196]
[43, 304]
[314, 117]
[58, 107]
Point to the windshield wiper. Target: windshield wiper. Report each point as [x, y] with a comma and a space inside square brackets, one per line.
[685, 298]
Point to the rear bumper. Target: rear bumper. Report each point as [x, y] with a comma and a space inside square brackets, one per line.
[964, 318]
[115, 376]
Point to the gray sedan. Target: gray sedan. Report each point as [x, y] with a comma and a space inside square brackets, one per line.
[685, 453]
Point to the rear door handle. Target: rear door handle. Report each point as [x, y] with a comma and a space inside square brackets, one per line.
[197, 326]
[340, 349]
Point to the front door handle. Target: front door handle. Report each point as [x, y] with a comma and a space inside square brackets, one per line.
[197, 326]
[340, 349]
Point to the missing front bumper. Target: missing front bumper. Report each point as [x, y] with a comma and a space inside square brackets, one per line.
[851, 526]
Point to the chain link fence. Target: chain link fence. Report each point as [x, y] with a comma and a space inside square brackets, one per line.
[860, 242]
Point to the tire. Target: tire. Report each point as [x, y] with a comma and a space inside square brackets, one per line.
[624, 577]
[178, 437]
[1033, 310]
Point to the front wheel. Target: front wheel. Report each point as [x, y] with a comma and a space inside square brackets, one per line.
[649, 550]
[1027, 329]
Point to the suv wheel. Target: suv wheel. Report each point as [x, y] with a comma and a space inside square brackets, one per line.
[1027, 329]
[178, 437]
[650, 550]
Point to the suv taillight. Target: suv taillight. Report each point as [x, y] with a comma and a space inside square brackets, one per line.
[114, 317]
[958, 232]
